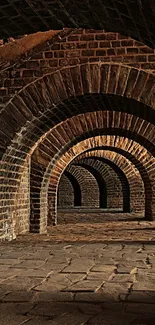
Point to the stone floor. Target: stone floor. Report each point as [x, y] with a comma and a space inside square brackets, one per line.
[44, 280]
[97, 215]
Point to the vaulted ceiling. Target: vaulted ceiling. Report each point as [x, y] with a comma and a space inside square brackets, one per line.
[135, 18]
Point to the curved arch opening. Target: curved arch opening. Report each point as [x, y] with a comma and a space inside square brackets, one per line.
[123, 180]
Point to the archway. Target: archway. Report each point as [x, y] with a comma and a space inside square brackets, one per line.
[48, 92]
[143, 172]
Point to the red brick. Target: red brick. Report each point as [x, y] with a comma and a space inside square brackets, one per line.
[100, 37]
[87, 53]
[111, 36]
[53, 63]
[59, 54]
[87, 37]
[48, 55]
[27, 73]
[121, 51]
[72, 53]
[131, 50]
[110, 51]
[81, 45]
[141, 58]
[151, 58]
[73, 38]
[127, 43]
[93, 44]
[105, 44]
[100, 52]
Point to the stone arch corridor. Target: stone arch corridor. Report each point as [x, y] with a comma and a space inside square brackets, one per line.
[77, 162]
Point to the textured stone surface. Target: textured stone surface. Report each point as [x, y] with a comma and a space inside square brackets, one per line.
[93, 292]
[114, 231]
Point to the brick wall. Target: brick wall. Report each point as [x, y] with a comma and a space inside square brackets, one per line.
[22, 209]
[81, 46]
[19, 222]
[65, 193]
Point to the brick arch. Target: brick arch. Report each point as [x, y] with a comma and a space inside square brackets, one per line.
[87, 181]
[33, 117]
[40, 106]
[77, 127]
[102, 119]
[115, 193]
[130, 177]
[95, 121]
[102, 173]
[100, 181]
[131, 150]
[43, 99]
[81, 47]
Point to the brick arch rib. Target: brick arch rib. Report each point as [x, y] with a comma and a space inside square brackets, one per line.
[88, 185]
[41, 105]
[123, 180]
[132, 174]
[34, 102]
[101, 184]
[128, 155]
[144, 175]
[130, 135]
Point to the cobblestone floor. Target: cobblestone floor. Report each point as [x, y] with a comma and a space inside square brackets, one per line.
[109, 282]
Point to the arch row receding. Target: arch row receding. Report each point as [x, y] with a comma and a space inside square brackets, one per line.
[115, 80]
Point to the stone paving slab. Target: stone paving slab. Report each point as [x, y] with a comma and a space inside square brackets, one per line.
[91, 285]
[19, 283]
[32, 264]
[102, 276]
[80, 265]
[52, 296]
[54, 283]
[103, 268]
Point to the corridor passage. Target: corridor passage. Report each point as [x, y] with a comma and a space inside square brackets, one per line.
[77, 162]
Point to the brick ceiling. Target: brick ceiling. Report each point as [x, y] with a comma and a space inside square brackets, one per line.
[135, 18]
